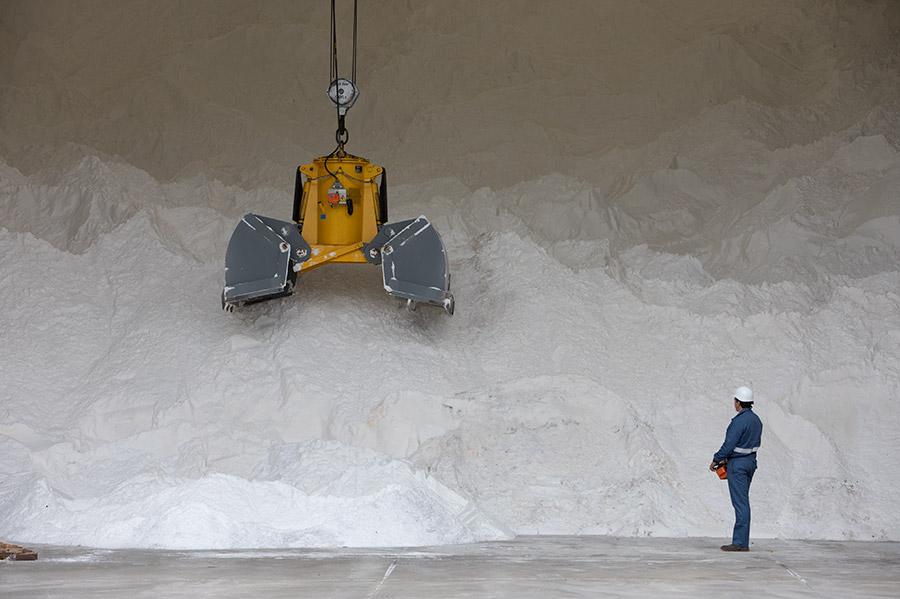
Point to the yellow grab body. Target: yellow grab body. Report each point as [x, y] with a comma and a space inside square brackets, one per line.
[339, 210]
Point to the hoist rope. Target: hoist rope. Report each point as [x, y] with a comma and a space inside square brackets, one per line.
[353, 78]
[341, 135]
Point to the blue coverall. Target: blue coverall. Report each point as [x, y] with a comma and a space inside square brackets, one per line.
[742, 440]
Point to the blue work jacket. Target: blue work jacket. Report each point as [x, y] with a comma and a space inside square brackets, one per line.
[742, 438]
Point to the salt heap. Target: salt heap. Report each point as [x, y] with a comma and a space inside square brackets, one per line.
[605, 313]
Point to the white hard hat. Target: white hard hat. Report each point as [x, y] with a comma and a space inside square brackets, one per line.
[743, 394]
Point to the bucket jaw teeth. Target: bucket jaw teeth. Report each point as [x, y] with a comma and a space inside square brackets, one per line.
[259, 260]
[413, 263]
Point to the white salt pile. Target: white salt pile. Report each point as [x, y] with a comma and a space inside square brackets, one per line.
[605, 311]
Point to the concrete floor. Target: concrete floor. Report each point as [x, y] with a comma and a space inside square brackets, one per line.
[524, 568]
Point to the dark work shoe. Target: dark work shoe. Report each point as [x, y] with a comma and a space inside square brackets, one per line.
[734, 548]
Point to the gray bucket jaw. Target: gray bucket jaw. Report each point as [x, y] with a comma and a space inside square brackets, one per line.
[413, 262]
[264, 254]
[259, 260]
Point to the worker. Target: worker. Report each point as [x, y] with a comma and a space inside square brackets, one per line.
[738, 452]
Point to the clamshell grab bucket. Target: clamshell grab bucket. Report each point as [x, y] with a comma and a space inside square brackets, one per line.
[340, 208]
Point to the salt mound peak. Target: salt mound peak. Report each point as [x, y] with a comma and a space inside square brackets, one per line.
[864, 154]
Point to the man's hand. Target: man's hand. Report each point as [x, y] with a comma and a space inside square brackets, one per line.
[712, 466]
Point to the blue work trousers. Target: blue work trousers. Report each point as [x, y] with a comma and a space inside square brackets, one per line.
[740, 474]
